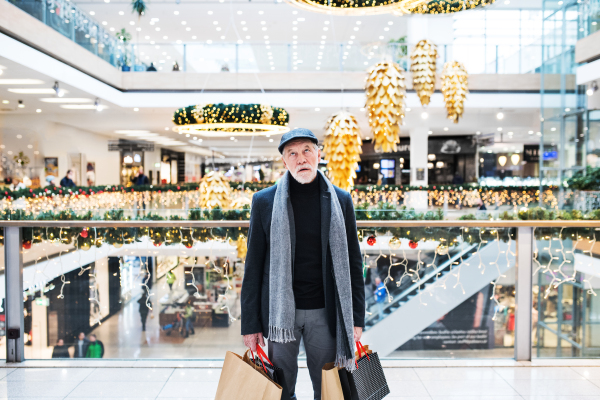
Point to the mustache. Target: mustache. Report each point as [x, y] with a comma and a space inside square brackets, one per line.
[310, 168]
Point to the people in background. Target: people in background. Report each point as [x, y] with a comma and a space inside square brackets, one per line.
[151, 68]
[171, 279]
[458, 179]
[380, 294]
[90, 175]
[481, 206]
[140, 178]
[175, 67]
[60, 350]
[67, 181]
[145, 306]
[95, 348]
[190, 317]
[81, 346]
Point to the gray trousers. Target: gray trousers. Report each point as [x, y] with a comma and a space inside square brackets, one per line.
[311, 325]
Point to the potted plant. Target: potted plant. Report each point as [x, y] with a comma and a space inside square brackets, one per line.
[124, 37]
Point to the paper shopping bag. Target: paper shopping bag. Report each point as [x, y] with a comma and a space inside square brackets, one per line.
[274, 373]
[369, 377]
[241, 380]
[331, 388]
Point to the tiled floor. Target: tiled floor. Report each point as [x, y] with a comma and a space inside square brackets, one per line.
[199, 379]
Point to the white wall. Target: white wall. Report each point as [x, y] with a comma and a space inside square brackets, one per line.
[54, 139]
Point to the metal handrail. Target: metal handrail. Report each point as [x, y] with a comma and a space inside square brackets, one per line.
[246, 224]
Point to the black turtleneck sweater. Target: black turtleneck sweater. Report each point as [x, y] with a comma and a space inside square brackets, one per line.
[308, 271]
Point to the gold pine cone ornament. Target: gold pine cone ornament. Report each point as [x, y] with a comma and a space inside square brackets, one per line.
[455, 86]
[386, 93]
[423, 64]
[215, 191]
[342, 148]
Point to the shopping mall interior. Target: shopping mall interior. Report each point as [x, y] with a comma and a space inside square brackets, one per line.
[134, 135]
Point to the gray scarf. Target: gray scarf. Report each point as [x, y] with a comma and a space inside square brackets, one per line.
[282, 308]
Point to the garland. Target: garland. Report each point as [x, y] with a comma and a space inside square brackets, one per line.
[585, 180]
[449, 6]
[231, 113]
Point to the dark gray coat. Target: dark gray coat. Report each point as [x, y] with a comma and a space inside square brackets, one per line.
[255, 287]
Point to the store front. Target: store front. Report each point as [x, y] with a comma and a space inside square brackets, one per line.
[131, 158]
[172, 167]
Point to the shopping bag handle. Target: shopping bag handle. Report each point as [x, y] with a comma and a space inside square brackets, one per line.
[261, 353]
[361, 349]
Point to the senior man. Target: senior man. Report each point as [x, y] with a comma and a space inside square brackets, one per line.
[303, 275]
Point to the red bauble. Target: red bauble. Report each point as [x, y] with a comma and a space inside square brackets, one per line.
[27, 244]
[157, 244]
[412, 244]
[84, 233]
[189, 245]
[371, 240]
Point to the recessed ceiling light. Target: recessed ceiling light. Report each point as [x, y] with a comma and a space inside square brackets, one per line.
[21, 82]
[210, 13]
[131, 131]
[5, 101]
[317, 109]
[144, 135]
[65, 100]
[446, 129]
[121, 13]
[176, 12]
[136, 109]
[92, 13]
[39, 110]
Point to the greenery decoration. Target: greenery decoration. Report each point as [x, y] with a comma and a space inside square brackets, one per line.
[139, 7]
[258, 114]
[588, 180]
[21, 159]
[449, 6]
[123, 36]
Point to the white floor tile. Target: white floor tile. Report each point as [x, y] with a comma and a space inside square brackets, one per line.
[555, 387]
[407, 389]
[400, 374]
[459, 373]
[188, 390]
[195, 375]
[531, 373]
[49, 374]
[561, 397]
[477, 397]
[587, 372]
[495, 387]
[92, 389]
[5, 371]
[130, 374]
[36, 389]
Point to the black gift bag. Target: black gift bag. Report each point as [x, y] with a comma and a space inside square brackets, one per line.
[368, 376]
[274, 373]
[348, 386]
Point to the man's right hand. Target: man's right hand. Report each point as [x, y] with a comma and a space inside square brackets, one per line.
[251, 340]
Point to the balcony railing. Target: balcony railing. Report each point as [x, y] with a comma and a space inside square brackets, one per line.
[477, 281]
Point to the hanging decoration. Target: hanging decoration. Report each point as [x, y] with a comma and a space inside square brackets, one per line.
[342, 148]
[455, 86]
[395, 243]
[423, 66]
[215, 191]
[448, 6]
[413, 244]
[371, 240]
[386, 93]
[358, 7]
[222, 120]
[139, 7]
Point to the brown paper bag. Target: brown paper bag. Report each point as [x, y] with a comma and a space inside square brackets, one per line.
[331, 388]
[240, 380]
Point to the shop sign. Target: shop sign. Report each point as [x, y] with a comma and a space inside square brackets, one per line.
[42, 301]
[531, 153]
[452, 145]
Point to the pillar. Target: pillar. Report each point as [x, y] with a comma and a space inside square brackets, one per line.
[418, 156]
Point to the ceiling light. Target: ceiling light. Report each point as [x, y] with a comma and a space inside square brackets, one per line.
[502, 160]
[136, 109]
[80, 106]
[98, 105]
[317, 109]
[478, 133]
[121, 13]
[499, 129]
[530, 132]
[500, 115]
[39, 110]
[92, 13]
[446, 129]
[176, 12]
[515, 158]
[65, 100]
[424, 115]
[5, 101]
[592, 88]
[20, 82]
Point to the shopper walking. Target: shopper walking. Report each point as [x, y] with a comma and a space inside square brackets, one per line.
[95, 349]
[171, 278]
[140, 178]
[67, 181]
[145, 307]
[60, 350]
[303, 277]
[380, 294]
[190, 317]
[81, 346]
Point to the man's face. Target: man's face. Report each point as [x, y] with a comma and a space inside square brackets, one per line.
[60, 342]
[301, 158]
[81, 336]
[141, 170]
[92, 339]
[70, 175]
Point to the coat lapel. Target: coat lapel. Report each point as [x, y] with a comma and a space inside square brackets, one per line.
[325, 218]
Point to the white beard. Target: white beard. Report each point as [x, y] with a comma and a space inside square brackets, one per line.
[305, 177]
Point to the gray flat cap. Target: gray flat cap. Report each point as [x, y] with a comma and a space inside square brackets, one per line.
[298, 133]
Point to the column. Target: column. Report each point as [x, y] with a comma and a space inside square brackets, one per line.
[418, 155]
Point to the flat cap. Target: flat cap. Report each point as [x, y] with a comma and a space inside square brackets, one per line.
[298, 133]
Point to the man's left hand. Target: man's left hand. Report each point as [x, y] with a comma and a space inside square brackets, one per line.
[357, 333]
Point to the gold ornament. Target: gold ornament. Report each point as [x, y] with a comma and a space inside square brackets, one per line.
[423, 66]
[395, 243]
[240, 202]
[442, 249]
[448, 6]
[342, 148]
[386, 92]
[358, 7]
[266, 114]
[242, 247]
[455, 86]
[215, 191]
[198, 113]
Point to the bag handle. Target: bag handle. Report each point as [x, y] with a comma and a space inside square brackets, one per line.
[361, 349]
[261, 353]
[253, 359]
